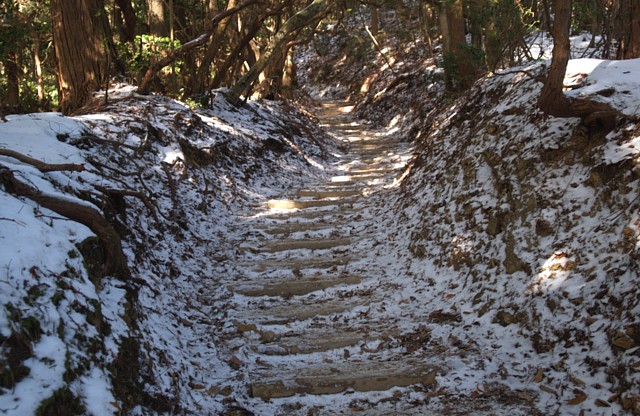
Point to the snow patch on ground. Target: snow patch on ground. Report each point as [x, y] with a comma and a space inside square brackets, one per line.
[170, 181]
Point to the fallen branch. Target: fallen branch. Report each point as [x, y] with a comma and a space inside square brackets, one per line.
[40, 165]
[115, 262]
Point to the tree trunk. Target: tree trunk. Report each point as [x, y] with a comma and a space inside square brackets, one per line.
[299, 20]
[128, 29]
[552, 100]
[629, 13]
[156, 18]
[145, 84]
[223, 70]
[375, 20]
[459, 70]
[79, 51]
[13, 82]
[289, 80]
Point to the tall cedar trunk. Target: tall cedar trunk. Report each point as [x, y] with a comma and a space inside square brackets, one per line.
[466, 71]
[629, 13]
[304, 17]
[552, 100]
[128, 29]
[156, 18]
[13, 81]
[79, 50]
[459, 70]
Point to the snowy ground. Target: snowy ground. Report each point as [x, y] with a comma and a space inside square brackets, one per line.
[509, 251]
[526, 228]
[170, 181]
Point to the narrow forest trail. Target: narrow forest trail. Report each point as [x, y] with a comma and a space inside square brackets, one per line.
[305, 298]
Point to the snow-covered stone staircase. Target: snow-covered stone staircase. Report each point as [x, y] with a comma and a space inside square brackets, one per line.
[301, 307]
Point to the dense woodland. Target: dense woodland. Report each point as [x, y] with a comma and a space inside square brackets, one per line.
[419, 214]
[54, 54]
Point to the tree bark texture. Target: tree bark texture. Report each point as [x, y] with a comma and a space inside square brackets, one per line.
[13, 81]
[128, 29]
[459, 70]
[630, 29]
[314, 11]
[37, 63]
[552, 100]
[156, 13]
[80, 51]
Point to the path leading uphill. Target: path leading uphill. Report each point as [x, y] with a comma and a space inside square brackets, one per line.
[302, 294]
[319, 327]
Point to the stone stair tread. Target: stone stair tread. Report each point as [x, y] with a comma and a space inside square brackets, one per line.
[329, 193]
[342, 375]
[307, 203]
[322, 339]
[275, 246]
[321, 262]
[299, 311]
[293, 286]
[293, 227]
[328, 215]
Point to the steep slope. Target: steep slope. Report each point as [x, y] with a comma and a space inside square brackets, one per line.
[526, 230]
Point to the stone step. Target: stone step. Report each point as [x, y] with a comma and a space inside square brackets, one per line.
[376, 154]
[330, 193]
[275, 246]
[298, 263]
[332, 378]
[320, 339]
[382, 146]
[307, 203]
[287, 287]
[328, 214]
[371, 173]
[294, 227]
[283, 312]
[343, 182]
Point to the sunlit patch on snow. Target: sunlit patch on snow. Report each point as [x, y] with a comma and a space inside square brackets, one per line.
[555, 271]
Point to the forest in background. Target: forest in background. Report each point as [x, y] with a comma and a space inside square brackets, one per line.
[55, 54]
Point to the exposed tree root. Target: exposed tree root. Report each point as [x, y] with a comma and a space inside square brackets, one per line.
[40, 165]
[115, 262]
